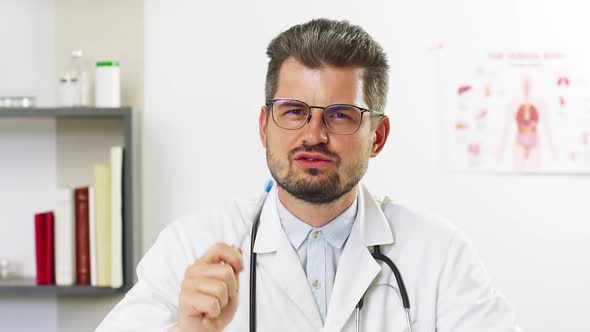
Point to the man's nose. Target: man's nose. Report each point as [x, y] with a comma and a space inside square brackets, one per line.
[315, 132]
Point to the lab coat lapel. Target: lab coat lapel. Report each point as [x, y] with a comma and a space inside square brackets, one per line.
[277, 258]
[356, 267]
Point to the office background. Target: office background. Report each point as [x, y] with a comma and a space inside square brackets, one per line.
[195, 70]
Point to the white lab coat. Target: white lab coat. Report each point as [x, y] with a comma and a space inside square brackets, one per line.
[448, 286]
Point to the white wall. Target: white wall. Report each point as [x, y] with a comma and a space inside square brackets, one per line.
[26, 56]
[205, 67]
[26, 68]
[105, 30]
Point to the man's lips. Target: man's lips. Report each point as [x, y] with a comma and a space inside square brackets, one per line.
[311, 156]
[312, 160]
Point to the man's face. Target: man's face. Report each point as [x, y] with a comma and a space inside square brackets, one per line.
[312, 163]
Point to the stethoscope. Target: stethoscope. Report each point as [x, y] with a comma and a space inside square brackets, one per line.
[377, 255]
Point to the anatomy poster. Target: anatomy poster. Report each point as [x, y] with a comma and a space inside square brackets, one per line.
[515, 111]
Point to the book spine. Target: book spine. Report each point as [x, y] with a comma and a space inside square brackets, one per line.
[92, 235]
[116, 216]
[102, 186]
[64, 238]
[82, 237]
[40, 234]
[49, 247]
[44, 248]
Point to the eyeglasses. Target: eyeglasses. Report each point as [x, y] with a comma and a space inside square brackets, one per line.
[341, 119]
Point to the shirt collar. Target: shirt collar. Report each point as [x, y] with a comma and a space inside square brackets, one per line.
[336, 231]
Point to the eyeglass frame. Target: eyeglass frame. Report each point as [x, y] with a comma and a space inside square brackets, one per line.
[270, 102]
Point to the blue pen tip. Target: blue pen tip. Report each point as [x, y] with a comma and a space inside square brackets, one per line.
[268, 186]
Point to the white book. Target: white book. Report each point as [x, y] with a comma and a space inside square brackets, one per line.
[116, 216]
[64, 232]
[92, 235]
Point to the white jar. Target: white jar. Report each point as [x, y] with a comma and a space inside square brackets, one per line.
[108, 84]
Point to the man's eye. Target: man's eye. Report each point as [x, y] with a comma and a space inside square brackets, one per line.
[340, 116]
[295, 111]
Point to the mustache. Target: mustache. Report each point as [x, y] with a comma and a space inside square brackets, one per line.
[318, 148]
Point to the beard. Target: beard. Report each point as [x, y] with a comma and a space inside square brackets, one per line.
[316, 188]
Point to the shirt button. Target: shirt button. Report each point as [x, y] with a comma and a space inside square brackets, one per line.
[316, 234]
[315, 284]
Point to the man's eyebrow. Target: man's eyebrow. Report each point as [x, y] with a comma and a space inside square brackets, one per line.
[290, 102]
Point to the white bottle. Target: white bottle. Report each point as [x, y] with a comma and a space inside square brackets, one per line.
[78, 75]
[108, 84]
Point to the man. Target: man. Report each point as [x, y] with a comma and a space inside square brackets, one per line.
[323, 120]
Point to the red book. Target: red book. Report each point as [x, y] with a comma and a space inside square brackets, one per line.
[82, 236]
[44, 248]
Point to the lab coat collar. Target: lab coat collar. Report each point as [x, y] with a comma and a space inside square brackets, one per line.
[279, 261]
[267, 239]
[356, 267]
[371, 221]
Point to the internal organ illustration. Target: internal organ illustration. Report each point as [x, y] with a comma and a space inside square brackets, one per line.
[474, 149]
[463, 88]
[562, 82]
[527, 118]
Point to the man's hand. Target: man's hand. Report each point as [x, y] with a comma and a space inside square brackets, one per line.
[209, 294]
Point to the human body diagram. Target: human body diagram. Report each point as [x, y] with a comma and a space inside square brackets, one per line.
[526, 121]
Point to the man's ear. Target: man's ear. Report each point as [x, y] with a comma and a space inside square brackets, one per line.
[262, 125]
[381, 134]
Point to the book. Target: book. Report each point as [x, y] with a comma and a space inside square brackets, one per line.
[102, 188]
[82, 236]
[92, 234]
[64, 238]
[116, 216]
[44, 248]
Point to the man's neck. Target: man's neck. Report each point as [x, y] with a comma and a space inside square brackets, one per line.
[316, 215]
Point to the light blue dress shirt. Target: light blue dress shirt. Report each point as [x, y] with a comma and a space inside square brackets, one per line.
[318, 249]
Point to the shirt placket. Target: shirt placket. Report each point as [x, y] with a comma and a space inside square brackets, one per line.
[316, 268]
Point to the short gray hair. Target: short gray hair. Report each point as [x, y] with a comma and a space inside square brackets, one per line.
[322, 42]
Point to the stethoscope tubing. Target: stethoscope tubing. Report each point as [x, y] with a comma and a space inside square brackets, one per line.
[377, 255]
[253, 273]
[398, 276]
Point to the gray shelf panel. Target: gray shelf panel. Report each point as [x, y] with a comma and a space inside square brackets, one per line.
[65, 112]
[28, 287]
[58, 290]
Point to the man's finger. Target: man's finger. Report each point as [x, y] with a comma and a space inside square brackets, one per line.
[212, 287]
[221, 252]
[222, 272]
[218, 271]
[200, 304]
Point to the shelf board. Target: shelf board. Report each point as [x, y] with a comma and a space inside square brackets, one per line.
[64, 112]
[29, 287]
